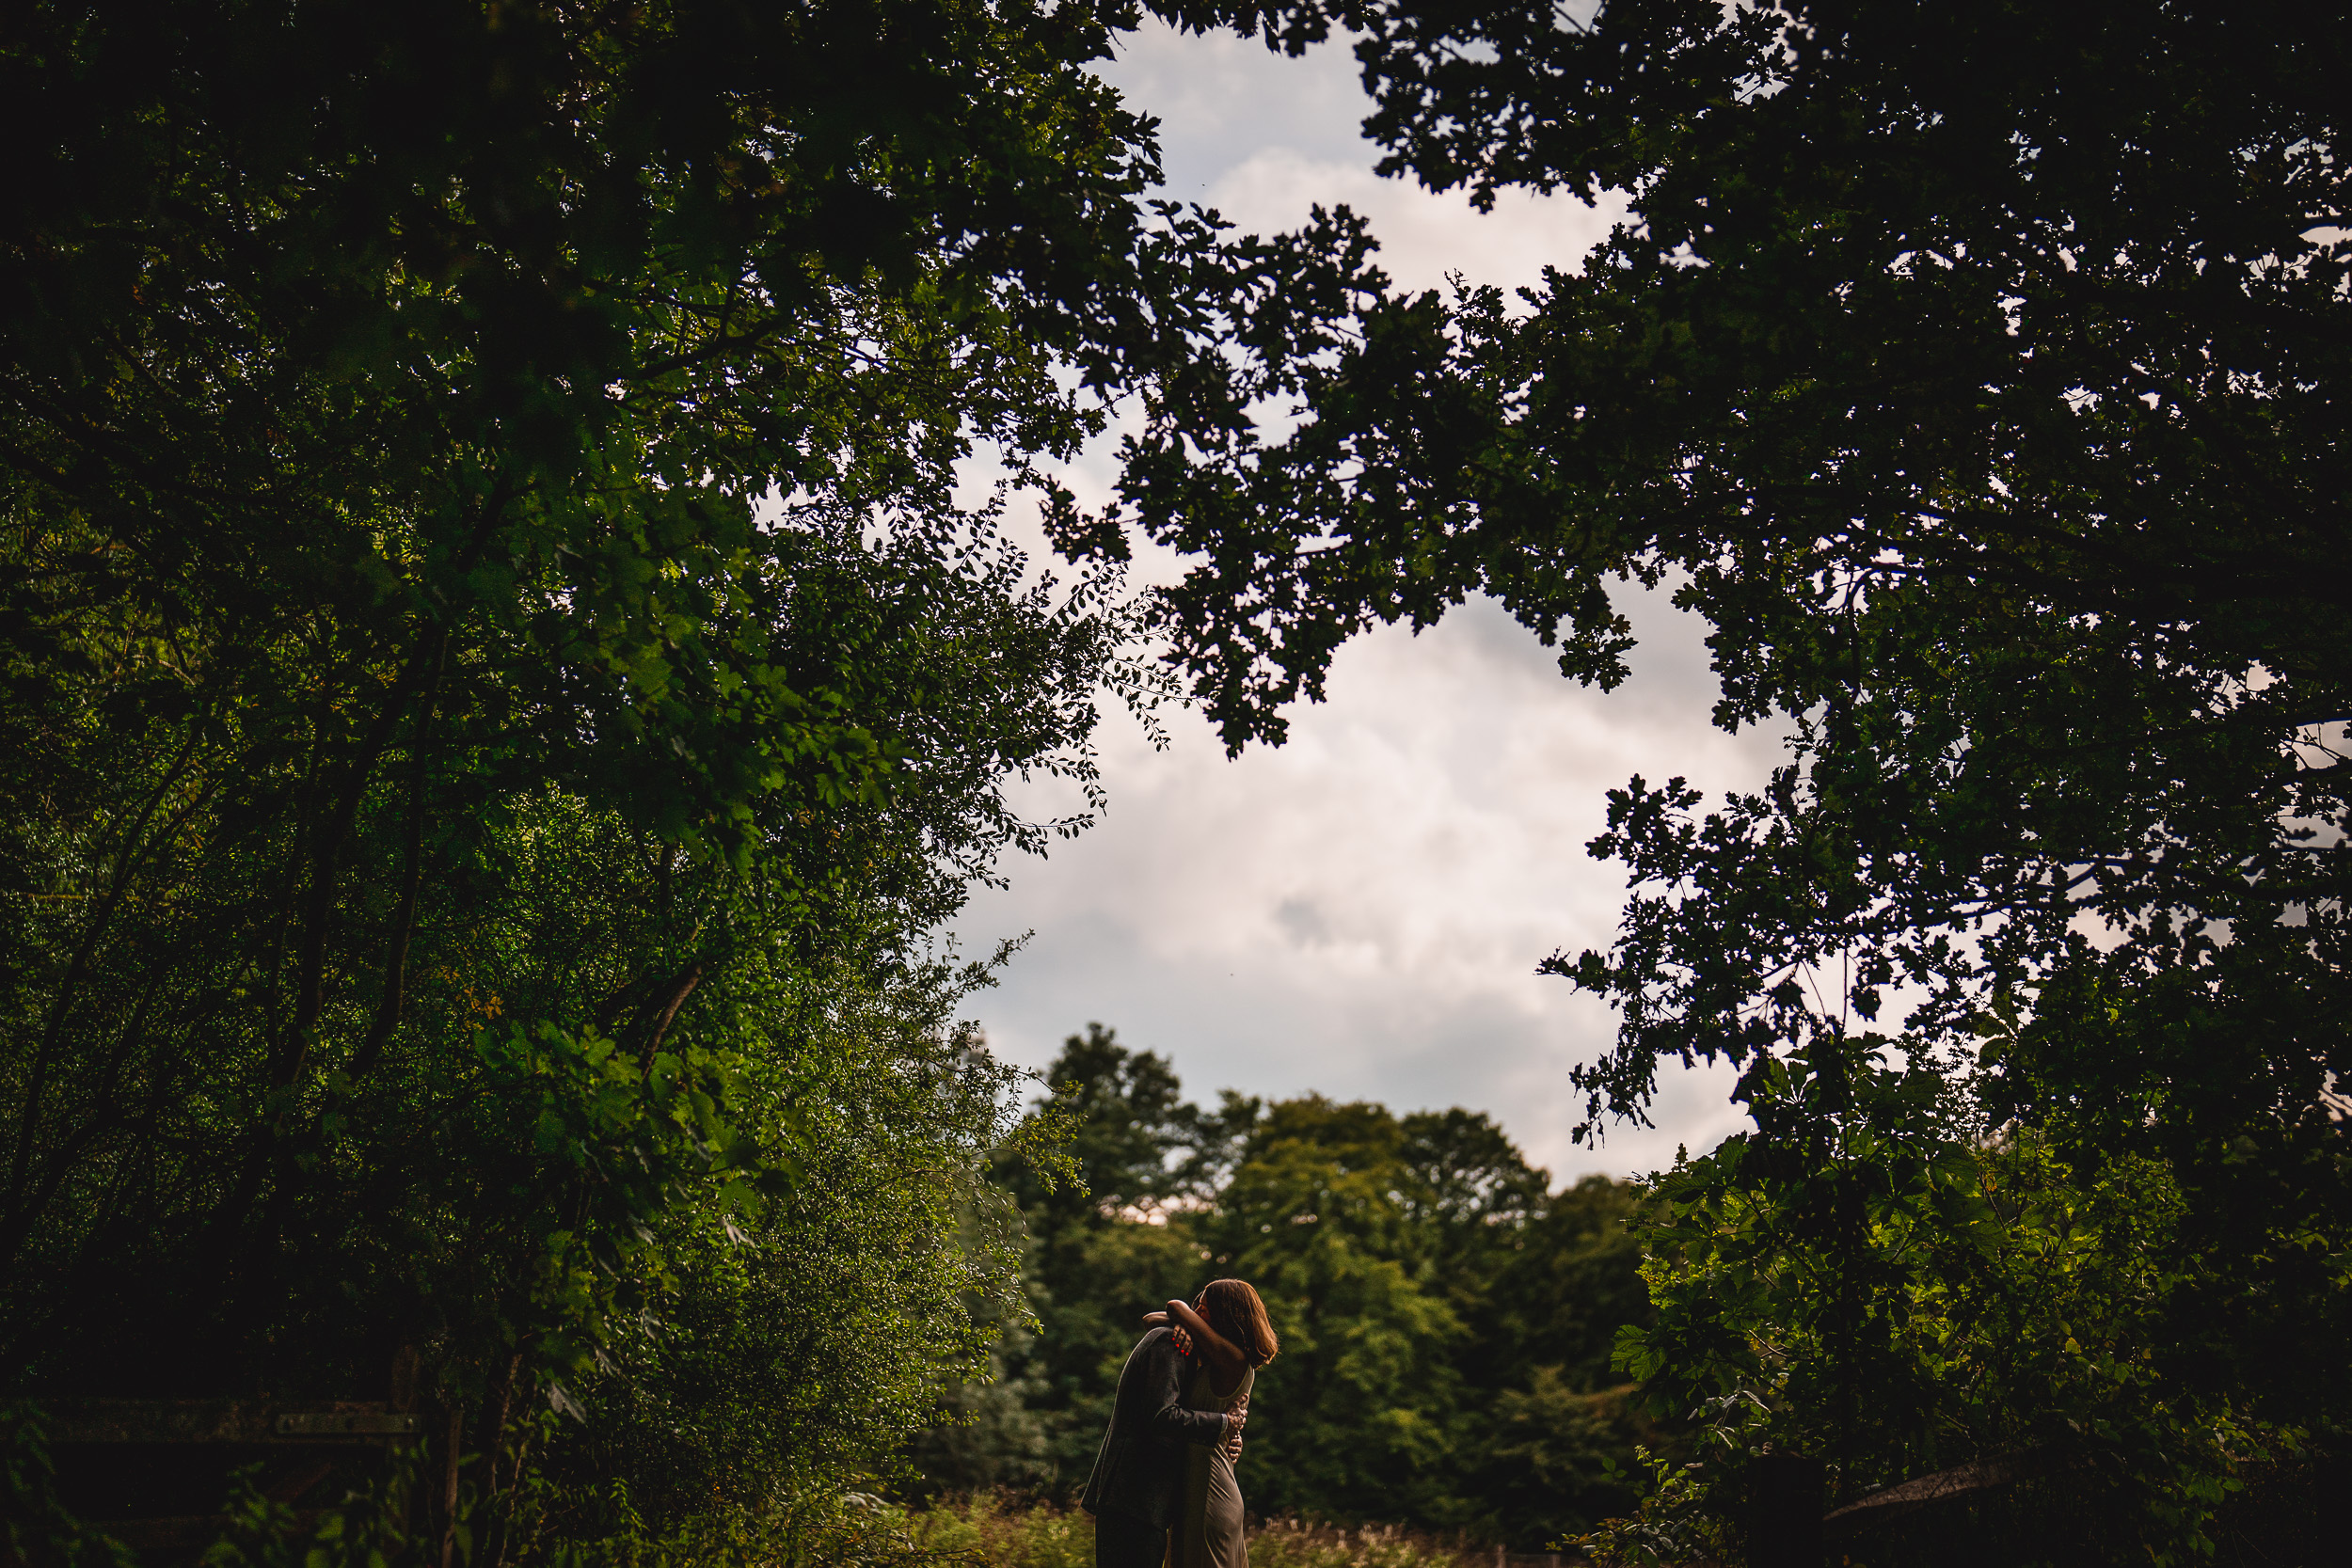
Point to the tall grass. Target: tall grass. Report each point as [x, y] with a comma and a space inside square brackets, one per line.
[1304, 1544]
[994, 1532]
[999, 1532]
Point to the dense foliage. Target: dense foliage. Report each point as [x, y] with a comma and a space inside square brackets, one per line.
[801, 1343]
[1908, 1301]
[1446, 1319]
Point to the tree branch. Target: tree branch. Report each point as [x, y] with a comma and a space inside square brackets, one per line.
[404, 920]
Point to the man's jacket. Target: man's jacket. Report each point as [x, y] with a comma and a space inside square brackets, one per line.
[1139, 1472]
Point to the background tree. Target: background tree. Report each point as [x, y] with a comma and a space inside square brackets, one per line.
[1103, 1248]
[1364, 1395]
[1446, 1319]
[1399, 1257]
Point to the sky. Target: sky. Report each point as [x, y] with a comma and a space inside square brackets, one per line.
[1360, 912]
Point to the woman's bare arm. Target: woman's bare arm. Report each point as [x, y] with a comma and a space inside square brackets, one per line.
[1223, 1355]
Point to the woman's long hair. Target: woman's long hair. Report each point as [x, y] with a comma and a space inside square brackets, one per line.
[1234, 1310]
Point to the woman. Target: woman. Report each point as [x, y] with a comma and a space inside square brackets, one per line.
[1228, 1337]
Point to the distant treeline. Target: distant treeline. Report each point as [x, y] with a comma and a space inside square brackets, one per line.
[1446, 1317]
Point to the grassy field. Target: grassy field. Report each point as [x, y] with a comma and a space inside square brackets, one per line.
[1003, 1533]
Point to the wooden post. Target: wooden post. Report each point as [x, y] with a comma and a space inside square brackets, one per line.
[1784, 1512]
[406, 1499]
[445, 1497]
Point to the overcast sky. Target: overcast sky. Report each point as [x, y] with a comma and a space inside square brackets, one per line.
[1362, 910]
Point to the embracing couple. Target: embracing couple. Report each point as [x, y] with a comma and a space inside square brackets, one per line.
[1162, 1489]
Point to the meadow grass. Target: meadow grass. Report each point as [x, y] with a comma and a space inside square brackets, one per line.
[998, 1532]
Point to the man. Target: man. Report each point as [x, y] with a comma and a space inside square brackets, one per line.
[1138, 1480]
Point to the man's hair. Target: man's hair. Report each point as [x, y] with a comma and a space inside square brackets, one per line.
[1234, 1310]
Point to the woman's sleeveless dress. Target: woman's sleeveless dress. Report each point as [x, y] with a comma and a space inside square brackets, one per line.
[1209, 1530]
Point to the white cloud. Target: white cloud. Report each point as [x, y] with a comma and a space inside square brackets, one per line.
[1362, 910]
[1264, 139]
[1221, 99]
